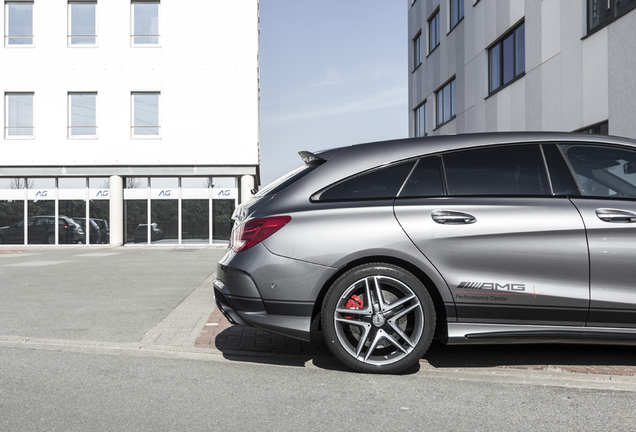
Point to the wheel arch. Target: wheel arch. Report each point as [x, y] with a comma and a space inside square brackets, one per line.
[431, 287]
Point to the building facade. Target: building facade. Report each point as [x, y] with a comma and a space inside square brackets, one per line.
[140, 113]
[499, 65]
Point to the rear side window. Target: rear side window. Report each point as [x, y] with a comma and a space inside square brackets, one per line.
[380, 183]
[425, 180]
[603, 171]
[284, 181]
[514, 170]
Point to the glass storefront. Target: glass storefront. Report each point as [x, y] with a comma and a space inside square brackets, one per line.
[12, 210]
[182, 210]
[157, 210]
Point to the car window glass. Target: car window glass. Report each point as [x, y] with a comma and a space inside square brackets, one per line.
[514, 170]
[560, 176]
[284, 181]
[603, 171]
[425, 180]
[380, 183]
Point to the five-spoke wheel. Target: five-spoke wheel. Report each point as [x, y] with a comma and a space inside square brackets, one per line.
[378, 318]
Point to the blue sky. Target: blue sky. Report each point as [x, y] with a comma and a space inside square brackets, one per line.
[333, 73]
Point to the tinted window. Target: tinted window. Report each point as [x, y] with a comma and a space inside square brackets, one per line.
[514, 170]
[284, 181]
[603, 171]
[425, 180]
[562, 181]
[380, 183]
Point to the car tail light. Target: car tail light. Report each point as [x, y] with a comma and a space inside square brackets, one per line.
[253, 232]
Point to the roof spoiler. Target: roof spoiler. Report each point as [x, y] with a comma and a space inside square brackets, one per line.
[310, 158]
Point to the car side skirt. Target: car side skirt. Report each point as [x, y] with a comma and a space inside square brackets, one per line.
[479, 333]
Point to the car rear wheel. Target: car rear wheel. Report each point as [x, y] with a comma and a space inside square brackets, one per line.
[378, 318]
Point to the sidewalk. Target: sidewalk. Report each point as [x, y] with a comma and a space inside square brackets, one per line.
[219, 334]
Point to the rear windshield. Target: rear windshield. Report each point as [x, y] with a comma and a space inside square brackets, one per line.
[289, 178]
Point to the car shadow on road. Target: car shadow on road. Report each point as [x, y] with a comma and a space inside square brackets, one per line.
[532, 356]
[243, 343]
[248, 344]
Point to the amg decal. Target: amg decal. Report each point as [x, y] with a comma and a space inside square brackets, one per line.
[491, 286]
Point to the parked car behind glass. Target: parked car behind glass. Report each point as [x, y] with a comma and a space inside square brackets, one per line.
[42, 230]
[104, 230]
[141, 233]
[95, 232]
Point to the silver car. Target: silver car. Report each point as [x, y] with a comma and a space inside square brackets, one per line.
[482, 238]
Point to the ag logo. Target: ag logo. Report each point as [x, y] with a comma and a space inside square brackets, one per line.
[42, 194]
[165, 193]
[103, 193]
[223, 192]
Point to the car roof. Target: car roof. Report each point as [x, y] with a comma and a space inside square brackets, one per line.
[394, 150]
[343, 162]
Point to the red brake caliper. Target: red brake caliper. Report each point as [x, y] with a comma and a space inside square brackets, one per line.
[354, 302]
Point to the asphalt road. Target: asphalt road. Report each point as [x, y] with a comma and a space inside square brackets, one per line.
[103, 340]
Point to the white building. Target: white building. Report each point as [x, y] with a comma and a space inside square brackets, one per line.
[128, 111]
[495, 65]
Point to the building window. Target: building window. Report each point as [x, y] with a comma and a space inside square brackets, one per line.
[456, 12]
[82, 27]
[602, 12]
[433, 31]
[420, 120]
[18, 23]
[507, 58]
[82, 115]
[18, 115]
[417, 51]
[597, 129]
[445, 99]
[145, 23]
[145, 115]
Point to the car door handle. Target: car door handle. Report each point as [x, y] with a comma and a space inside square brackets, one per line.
[445, 217]
[616, 216]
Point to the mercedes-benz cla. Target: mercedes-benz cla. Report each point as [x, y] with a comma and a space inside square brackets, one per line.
[505, 238]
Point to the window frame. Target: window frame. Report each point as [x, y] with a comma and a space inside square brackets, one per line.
[70, 35]
[451, 8]
[132, 116]
[434, 16]
[6, 117]
[600, 128]
[452, 84]
[70, 127]
[132, 25]
[7, 37]
[613, 9]
[417, 50]
[417, 121]
[499, 46]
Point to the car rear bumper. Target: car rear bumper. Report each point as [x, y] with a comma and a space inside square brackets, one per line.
[258, 288]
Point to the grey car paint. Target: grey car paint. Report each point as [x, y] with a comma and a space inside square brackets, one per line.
[612, 258]
[539, 243]
[525, 258]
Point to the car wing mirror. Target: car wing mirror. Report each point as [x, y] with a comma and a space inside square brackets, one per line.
[629, 168]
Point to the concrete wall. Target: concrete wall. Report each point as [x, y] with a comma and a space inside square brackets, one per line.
[206, 70]
[571, 80]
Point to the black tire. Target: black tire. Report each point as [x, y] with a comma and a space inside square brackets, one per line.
[385, 335]
[1, 240]
[50, 239]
